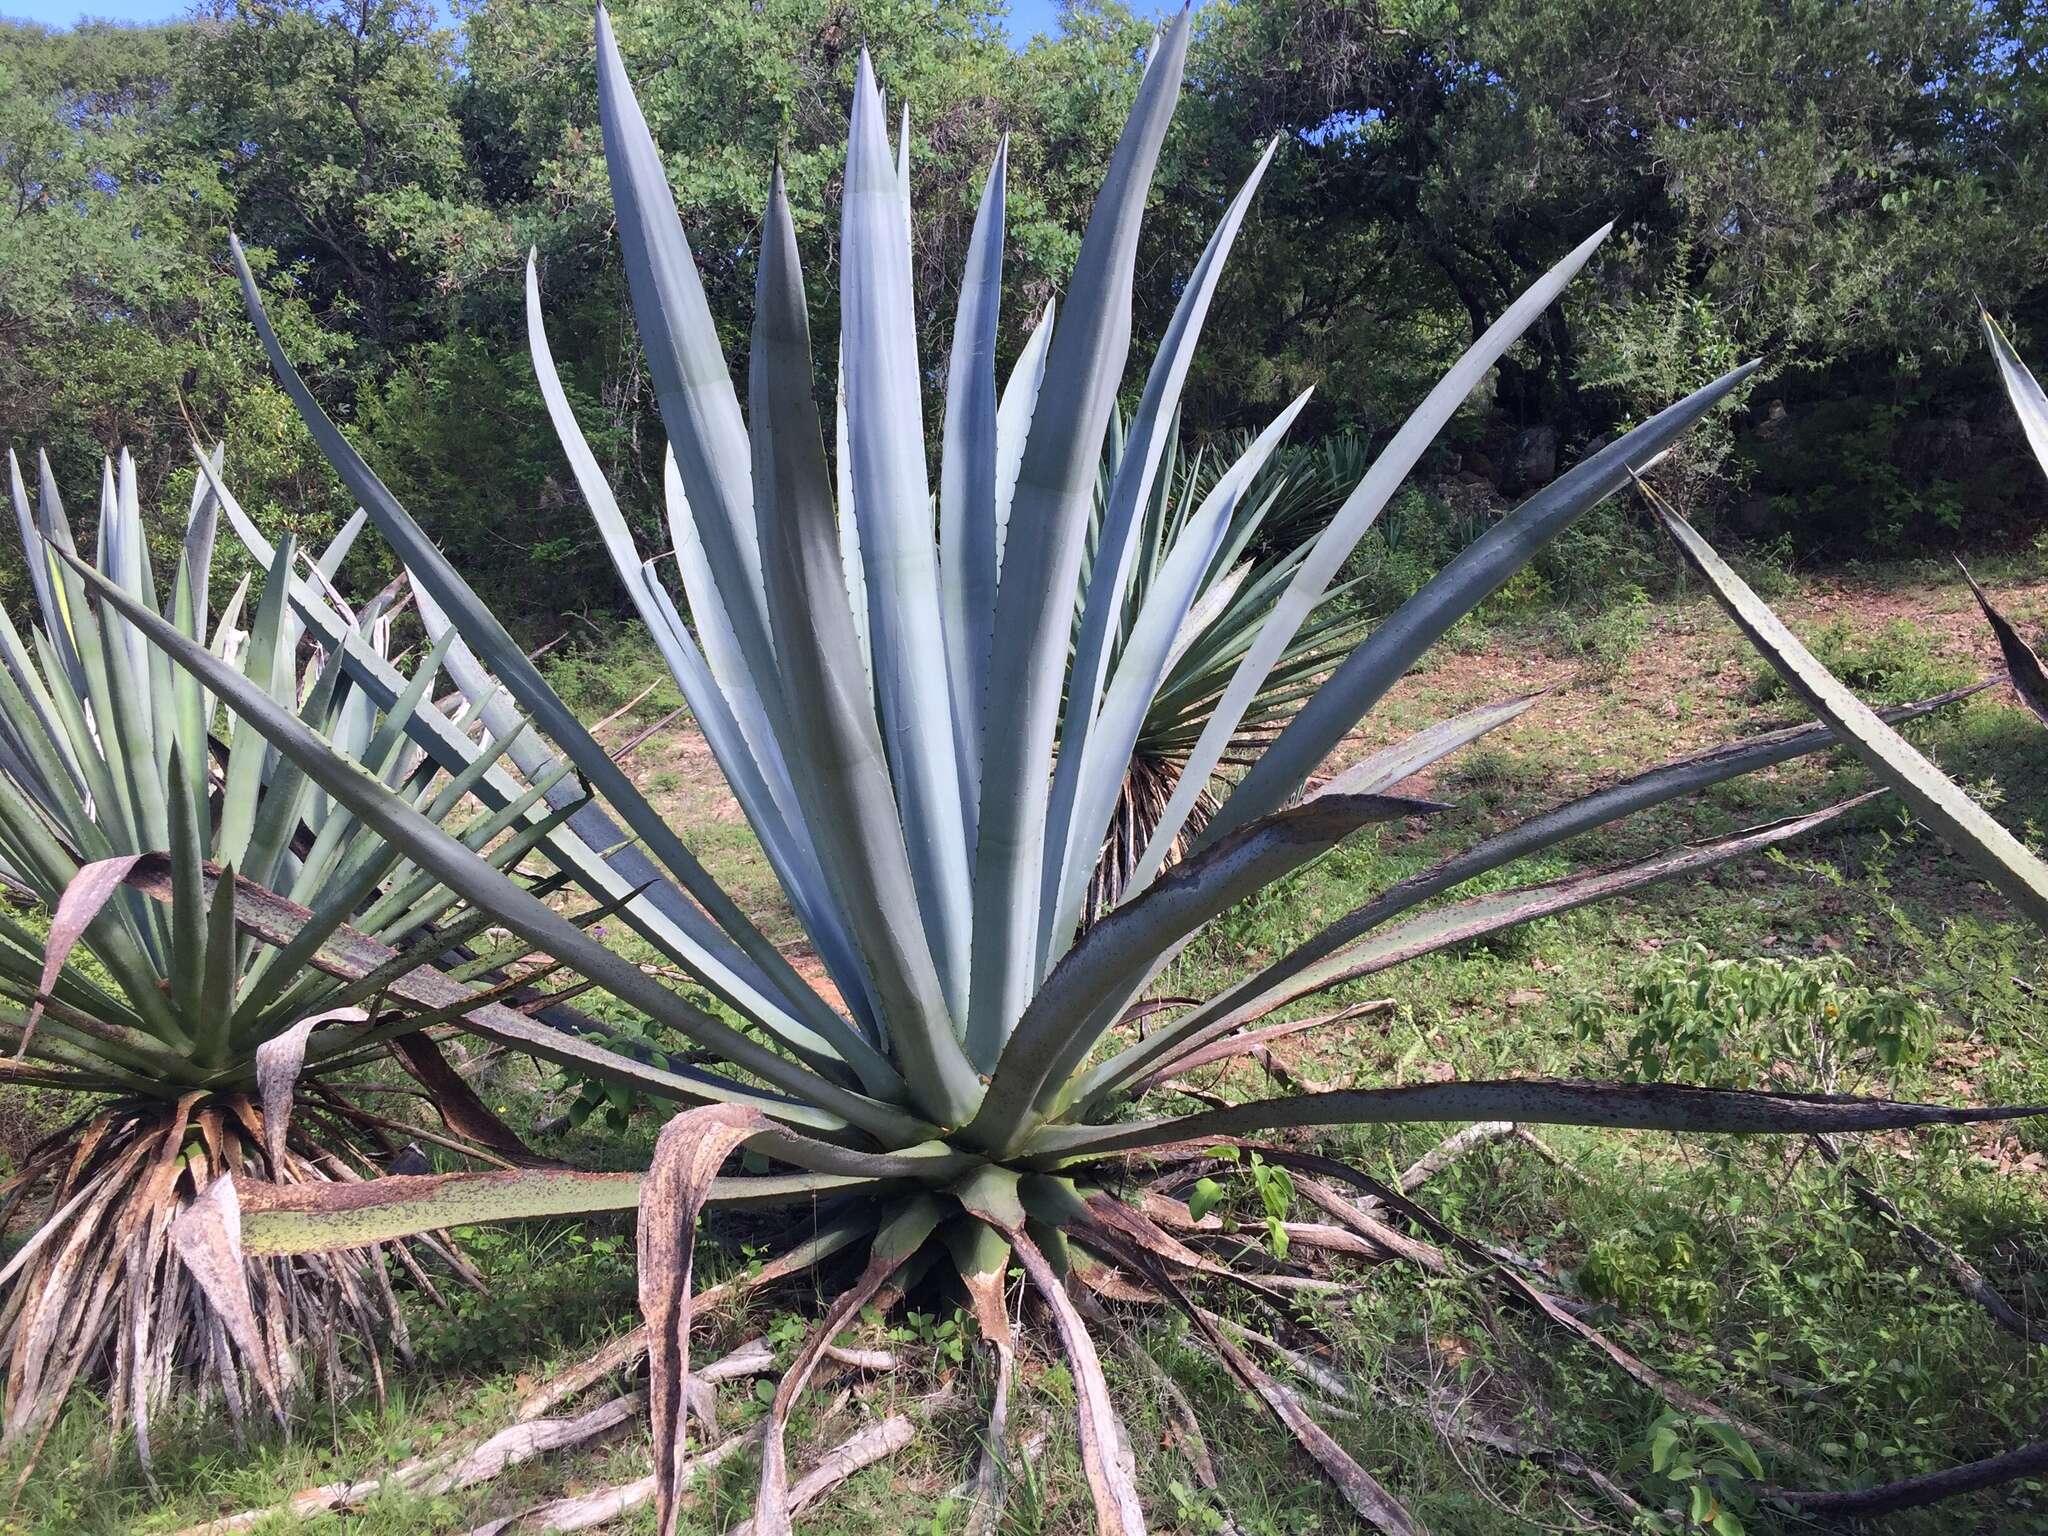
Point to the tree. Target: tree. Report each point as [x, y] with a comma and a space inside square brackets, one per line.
[1825, 187]
[119, 321]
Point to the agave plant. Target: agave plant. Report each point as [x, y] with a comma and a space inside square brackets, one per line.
[1278, 513]
[1302, 485]
[931, 771]
[182, 1037]
[203, 1050]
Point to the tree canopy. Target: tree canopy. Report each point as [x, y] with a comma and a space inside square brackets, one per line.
[1832, 188]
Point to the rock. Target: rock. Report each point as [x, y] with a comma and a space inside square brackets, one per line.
[1532, 459]
[1753, 514]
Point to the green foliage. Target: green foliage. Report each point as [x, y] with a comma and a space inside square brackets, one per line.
[1664, 337]
[1888, 665]
[946, 1337]
[1707, 1469]
[608, 673]
[109, 754]
[1272, 1186]
[121, 324]
[1650, 1271]
[549, 1286]
[1609, 635]
[386, 172]
[1278, 514]
[601, 1102]
[186, 1044]
[1691, 1018]
[1419, 530]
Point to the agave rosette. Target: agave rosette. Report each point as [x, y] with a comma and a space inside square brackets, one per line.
[927, 722]
[1276, 517]
[190, 1044]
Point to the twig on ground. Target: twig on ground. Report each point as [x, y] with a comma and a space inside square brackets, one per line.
[1449, 1150]
[1394, 1243]
[624, 709]
[523, 1442]
[861, 1359]
[841, 1462]
[1199, 1095]
[447, 1471]
[600, 1505]
[629, 1349]
[633, 742]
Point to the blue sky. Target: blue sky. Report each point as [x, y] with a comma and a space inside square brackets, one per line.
[1026, 16]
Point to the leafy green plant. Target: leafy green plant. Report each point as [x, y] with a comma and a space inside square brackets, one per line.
[1420, 529]
[1194, 1509]
[599, 1094]
[1299, 488]
[930, 757]
[1690, 1018]
[1609, 635]
[546, 1282]
[1890, 665]
[1272, 1186]
[1648, 1272]
[946, 1336]
[1707, 1470]
[619, 673]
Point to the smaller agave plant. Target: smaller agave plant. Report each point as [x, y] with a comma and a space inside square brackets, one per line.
[132, 809]
[931, 751]
[1277, 517]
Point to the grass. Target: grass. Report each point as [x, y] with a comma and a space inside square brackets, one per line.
[1743, 1270]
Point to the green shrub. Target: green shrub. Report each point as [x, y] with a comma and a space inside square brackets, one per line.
[1739, 1023]
[1892, 665]
[1650, 1272]
[597, 679]
[1607, 636]
[1420, 529]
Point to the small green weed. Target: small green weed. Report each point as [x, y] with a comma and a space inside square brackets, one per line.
[1273, 1186]
[1745, 1023]
[1705, 1468]
[1609, 635]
